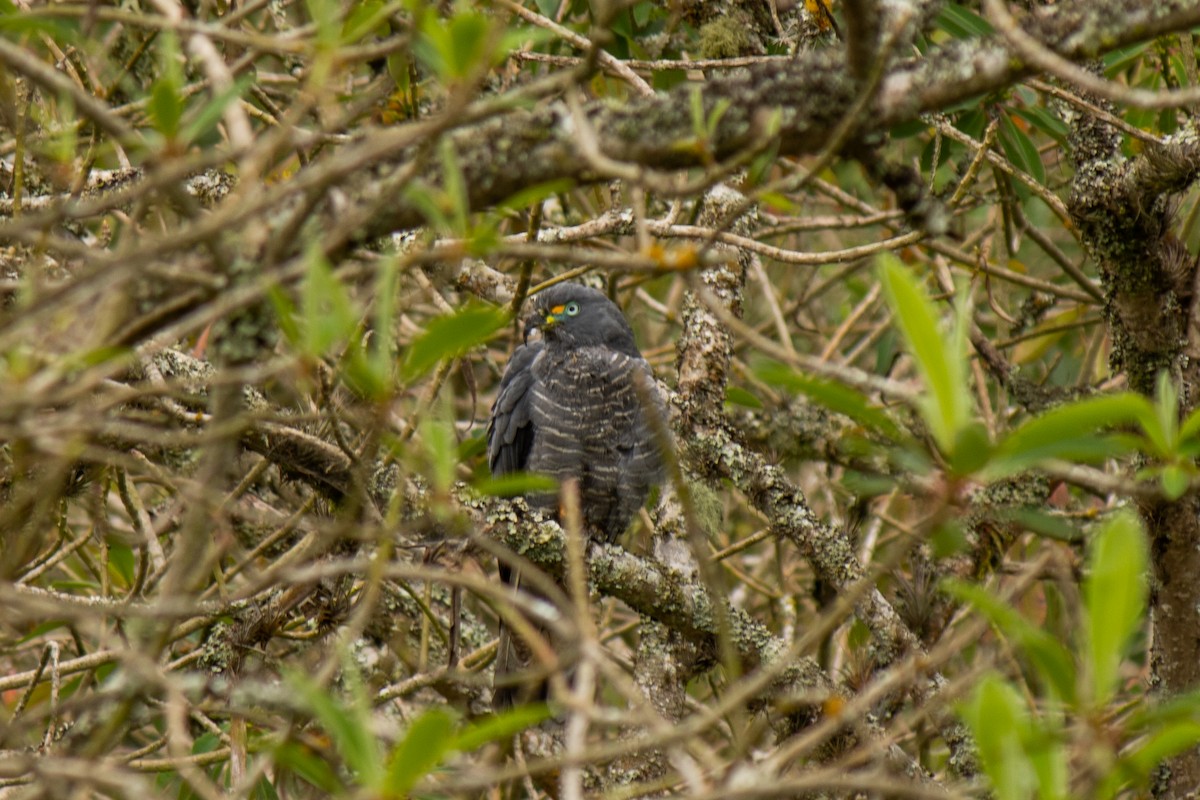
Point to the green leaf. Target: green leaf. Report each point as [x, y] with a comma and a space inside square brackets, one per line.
[759, 170]
[1020, 150]
[23, 24]
[696, 111]
[121, 563]
[210, 113]
[326, 314]
[382, 346]
[736, 395]
[430, 202]
[942, 364]
[1114, 593]
[1175, 481]
[449, 337]
[1191, 426]
[972, 449]
[308, 765]
[1045, 525]
[472, 446]
[962, 23]
[452, 48]
[364, 17]
[1043, 745]
[468, 35]
[264, 790]
[1045, 122]
[779, 202]
[41, 629]
[1161, 744]
[719, 107]
[1180, 707]
[325, 15]
[531, 195]
[517, 37]
[516, 483]
[94, 357]
[205, 743]
[998, 717]
[430, 46]
[1163, 429]
[1123, 57]
[285, 314]
[1022, 755]
[437, 435]
[454, 185]
[499, 727]
[398, 67]
[365, 376]
[1043, 336]
[428, 740]
[622, 24]
[948, 538]
[1160, 730]
[369, 366]
[348, 725]
[1052, 660]
[166, 94]
[913, 127]
[865, 485]
[642, 13]
[1070, 431]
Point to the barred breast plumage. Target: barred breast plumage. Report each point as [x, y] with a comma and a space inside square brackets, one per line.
[590, 424]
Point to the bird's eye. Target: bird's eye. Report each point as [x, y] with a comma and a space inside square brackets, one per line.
[572, 309]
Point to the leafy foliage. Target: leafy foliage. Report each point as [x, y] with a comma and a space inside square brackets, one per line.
[924, 320]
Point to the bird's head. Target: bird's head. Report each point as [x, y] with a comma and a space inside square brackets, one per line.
[570, 315]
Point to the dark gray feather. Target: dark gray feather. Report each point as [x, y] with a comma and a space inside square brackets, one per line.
[510, 430]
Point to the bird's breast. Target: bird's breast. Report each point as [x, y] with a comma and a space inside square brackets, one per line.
[588, 399]
[590, 417]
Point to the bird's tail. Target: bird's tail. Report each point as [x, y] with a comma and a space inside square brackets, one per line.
[512, 682]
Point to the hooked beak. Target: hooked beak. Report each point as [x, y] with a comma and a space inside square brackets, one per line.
[542, 321]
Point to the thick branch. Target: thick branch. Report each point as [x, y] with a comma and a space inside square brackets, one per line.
[806, 99]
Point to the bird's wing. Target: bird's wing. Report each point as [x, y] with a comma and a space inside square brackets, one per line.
[510, 429]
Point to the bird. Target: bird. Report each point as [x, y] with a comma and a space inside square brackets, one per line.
[579, 403]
